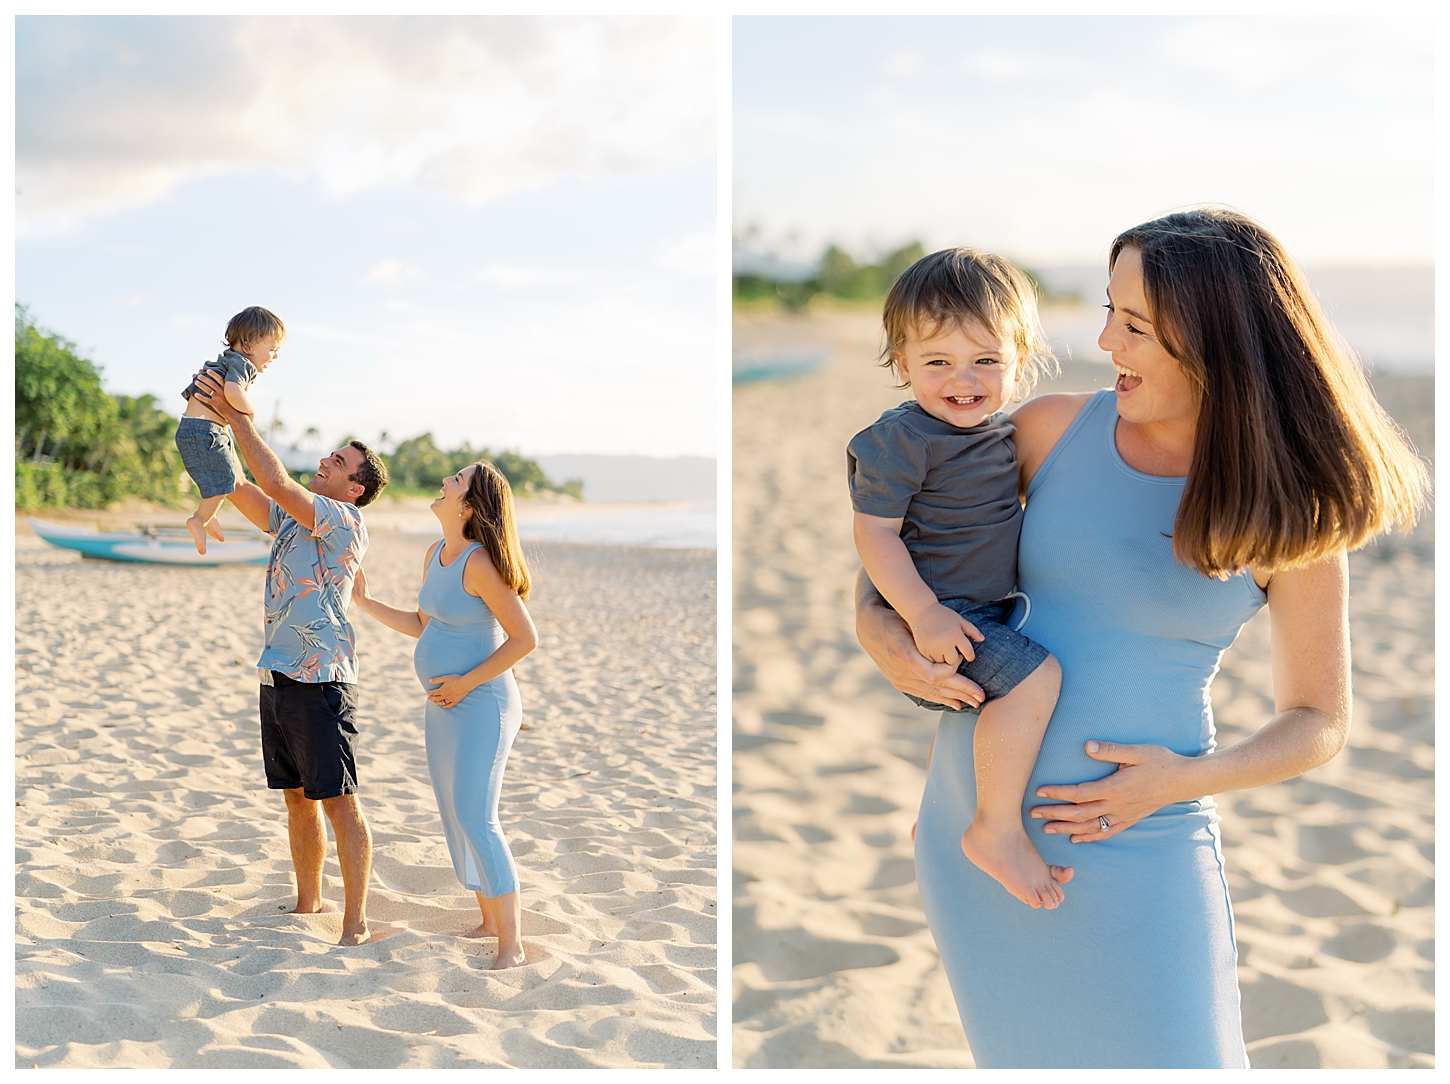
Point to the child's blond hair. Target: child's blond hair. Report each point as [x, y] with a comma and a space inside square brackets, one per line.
[253, 325]
[959, 285]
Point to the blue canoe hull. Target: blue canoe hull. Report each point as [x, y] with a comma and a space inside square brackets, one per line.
[157, 548]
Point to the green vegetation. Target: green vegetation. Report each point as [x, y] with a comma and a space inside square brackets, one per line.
[840, 277]
[76, 446]
[418, 465]
[837, 275]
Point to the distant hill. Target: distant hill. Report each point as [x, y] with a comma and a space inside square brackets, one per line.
[635, 477]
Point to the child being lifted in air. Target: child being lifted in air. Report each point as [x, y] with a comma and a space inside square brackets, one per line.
[202, 438]
[937, 514]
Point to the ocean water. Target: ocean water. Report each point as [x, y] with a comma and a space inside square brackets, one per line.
[656, 526]
[752, 364]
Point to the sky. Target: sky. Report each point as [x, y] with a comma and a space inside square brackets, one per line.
[1043, 137]
[499, 229]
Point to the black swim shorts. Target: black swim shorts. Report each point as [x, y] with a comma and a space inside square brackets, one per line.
[308, 736]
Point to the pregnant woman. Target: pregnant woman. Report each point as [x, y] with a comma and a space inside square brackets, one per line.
[1239, 456]
[472, 628]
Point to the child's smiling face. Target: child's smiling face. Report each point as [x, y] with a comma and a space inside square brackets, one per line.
[260, 353]
[962, 374]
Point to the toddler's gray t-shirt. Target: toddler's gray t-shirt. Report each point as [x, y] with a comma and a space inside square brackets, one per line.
[954, 488]
[228, 365]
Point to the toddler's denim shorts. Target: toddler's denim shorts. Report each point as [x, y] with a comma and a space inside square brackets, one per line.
[1004, 657]
[208, 456]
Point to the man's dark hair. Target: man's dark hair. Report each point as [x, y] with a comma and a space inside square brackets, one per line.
[372, 475]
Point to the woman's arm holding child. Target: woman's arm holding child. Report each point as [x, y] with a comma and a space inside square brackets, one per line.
[887, 639]
[940, 633]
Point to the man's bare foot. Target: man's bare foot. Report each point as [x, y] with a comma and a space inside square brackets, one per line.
[1010, 858]
[214, 529]
[198, 533]
[355, 935]
[514, 957]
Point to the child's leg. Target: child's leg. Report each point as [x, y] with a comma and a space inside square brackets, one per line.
[1008, 737]
[202, 523]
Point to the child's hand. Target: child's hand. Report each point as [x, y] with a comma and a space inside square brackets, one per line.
[943, 635]
[360, 596]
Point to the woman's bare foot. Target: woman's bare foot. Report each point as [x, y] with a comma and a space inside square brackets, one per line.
[1009, 857]
[513, 957]
[198, 533]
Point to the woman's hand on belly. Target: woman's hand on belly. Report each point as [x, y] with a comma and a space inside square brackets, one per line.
[1148, 778]
[451, 689]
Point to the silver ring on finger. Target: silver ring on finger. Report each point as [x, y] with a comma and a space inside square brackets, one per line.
[1103, 824]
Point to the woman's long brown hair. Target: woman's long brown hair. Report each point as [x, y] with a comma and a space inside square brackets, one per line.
[490, 502]
[1293, 459]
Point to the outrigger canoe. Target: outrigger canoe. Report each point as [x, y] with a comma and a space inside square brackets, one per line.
[156, 545]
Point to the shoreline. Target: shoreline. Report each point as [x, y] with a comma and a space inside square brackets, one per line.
[407, 515]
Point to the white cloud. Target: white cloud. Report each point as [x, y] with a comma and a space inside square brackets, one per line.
[997, 64]
[392, 273]
[902, 64]
[1377, 57]
[694, 256]
[510, 277]
[118, 111]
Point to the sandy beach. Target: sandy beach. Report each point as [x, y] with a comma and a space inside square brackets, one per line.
[153, 869]
[1331, 874]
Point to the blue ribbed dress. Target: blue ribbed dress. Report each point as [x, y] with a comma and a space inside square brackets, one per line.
[1137, 967]
[468, 743]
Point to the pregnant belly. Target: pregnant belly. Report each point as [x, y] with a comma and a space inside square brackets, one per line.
[445, 649]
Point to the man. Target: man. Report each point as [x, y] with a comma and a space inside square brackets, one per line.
[308, 666]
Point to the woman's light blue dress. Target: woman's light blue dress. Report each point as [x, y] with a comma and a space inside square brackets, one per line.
[1137, 967]
[468, 743]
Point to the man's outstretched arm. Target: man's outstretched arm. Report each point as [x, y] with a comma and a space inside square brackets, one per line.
[271, 475]
[252, 503]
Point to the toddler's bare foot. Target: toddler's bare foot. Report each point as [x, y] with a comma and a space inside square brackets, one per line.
[214, 529]
[1009, 857]
[198, 533]
[483, 929]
